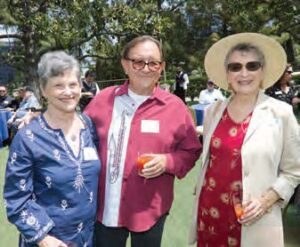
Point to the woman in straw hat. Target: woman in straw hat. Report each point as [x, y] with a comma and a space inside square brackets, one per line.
[250, 163]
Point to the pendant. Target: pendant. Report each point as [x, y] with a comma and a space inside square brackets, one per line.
[73, 138]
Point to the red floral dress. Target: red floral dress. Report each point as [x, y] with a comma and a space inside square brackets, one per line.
[217, 223]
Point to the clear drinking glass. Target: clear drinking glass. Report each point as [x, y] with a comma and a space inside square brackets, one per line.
[237, 201]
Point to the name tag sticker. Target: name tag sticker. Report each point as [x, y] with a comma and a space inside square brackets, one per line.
[89, 153]
[150, 126]
[278, 92]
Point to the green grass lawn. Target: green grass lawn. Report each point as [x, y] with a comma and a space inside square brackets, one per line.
[176, 228]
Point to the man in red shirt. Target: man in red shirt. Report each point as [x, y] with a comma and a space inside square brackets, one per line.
[134, 118]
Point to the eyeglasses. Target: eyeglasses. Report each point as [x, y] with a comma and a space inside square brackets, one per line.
[2, 91]
[140, 64]
[250, 66]
[288, 71]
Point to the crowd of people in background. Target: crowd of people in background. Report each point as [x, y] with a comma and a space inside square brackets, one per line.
[94, 167]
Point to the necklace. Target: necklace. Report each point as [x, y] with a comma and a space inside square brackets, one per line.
[73, 137]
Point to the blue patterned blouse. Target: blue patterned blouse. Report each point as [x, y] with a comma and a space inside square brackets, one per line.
[48, 190]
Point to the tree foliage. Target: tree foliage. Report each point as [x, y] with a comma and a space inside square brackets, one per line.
[96, 30]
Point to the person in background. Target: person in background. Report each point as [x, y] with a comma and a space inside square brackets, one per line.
[89, 89]
[210, 94]
[250, 159]
[18, 95]
[131, 120]
[283, 90]
[181, 84]
[5, 100]
[29, 103]
[52, 170]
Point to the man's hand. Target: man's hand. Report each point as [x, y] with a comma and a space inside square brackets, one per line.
[155, 167]
[28, 118]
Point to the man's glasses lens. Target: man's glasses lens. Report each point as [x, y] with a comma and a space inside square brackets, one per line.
[250, 66]
[140, 64]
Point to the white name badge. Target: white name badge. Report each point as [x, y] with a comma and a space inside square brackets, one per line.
[150, 126]
[89, 153]
[278, 92]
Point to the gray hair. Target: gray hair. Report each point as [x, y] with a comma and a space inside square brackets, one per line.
[245, 47]
[55, 63]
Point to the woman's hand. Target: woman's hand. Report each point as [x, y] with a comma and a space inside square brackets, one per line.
[50, 241]
[155, 167]
[253, 210]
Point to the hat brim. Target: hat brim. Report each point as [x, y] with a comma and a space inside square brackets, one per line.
[275, 58]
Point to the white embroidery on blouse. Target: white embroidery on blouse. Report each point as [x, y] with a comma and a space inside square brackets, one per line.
[85, 244]
[78, 183]
[64, 204]
[33, 222]
[22, 184]
[91, 196]
[33, 197]
[24, 215]
[48, 181]
[56, 154]
[40, 232]
[79, 227]
[13, 158]
[79, 180]
[30, 135]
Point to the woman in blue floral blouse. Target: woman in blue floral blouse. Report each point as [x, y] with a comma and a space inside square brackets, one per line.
[52, 171]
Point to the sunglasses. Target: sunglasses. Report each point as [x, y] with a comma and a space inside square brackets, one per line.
[288, 71]
[140, 64]
[250, 66]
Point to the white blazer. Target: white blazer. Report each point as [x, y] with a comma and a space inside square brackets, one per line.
[270, 159]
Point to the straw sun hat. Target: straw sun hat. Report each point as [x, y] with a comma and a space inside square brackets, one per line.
[275, 57]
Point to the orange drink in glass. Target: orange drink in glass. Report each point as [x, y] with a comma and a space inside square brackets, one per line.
[142, 160]
[239, 211]
[237, 203]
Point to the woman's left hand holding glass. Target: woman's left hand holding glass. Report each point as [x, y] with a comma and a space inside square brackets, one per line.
[155, 167]
[253, 210]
